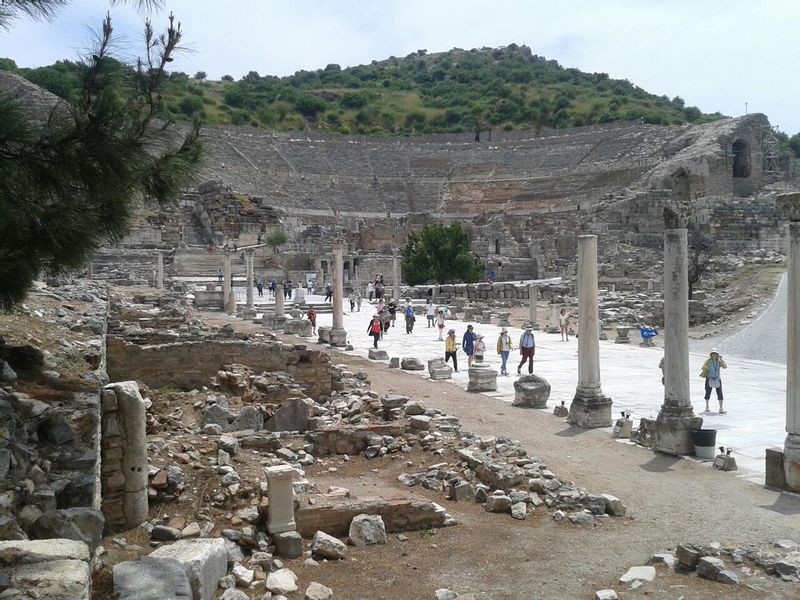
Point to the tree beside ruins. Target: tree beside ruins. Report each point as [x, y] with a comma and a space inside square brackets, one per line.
[701, 251]
[72, 171]
[440, 254]
[276, 239]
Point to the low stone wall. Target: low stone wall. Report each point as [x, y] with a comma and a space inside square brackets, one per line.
[189, 365]
[469, 291]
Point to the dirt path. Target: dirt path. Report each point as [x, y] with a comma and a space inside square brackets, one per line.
[669, 501]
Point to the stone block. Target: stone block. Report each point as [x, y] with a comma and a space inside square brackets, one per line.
[150, 578]
[317, 591]
[301, 327]
[687, 555]
[394, 362]
[82, 524]
[54, 580]
[281, 499]
[288, 544]
[531, 391]
[282, 581]
[605, 595]
[38, 551]
[438, 369]
[327, 546]
[376, 354]
[367, 530]
[292, 415]
[643, 574]
[411, 364]
[205, 562]
[614, 506]
[775, 476]
[674, 436]
[710, 566]
[229, 420]
[482, 378]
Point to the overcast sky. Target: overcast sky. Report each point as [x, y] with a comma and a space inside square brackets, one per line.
[715, 54]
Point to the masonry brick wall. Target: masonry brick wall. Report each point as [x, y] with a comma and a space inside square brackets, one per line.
[190, 365]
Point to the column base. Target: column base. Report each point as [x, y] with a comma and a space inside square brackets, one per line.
[338, 337]
[673, 430]
[590, 409]
[791, 461]
[230, 305]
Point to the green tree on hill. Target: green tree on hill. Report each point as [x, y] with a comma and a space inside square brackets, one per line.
[440, 254]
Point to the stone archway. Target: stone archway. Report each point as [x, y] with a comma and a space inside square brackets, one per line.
[741, 159]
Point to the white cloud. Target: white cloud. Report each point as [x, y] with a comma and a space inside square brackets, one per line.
[716, 54]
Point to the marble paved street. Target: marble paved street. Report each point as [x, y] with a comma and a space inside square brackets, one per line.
[755, 391]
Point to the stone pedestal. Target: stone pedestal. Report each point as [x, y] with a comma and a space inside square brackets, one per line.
[533, 296]
[281, 499]
[396, 276]
[301, 327]
[789, 205]
[482, 378]
[676, 420]
[438, 369]
[590, 407]
[553, 325]
[299, 296]
[249, 261]
[338, 335]
[503, 319]
[324, 335]
[280, 309]
[622, 335]
[531, 391]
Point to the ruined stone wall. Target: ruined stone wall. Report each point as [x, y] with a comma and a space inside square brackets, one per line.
[189, 365]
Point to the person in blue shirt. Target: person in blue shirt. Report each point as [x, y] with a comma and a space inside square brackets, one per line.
[527, 348]
[408, 311]
[468, 344]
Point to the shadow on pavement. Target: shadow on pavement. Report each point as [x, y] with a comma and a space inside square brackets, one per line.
[661, 463]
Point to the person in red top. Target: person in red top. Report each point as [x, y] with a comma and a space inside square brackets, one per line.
[312, 316]
[375, 329]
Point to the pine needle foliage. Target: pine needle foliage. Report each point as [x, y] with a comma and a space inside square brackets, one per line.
[70, 184]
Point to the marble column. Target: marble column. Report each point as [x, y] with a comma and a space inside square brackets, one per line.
[789, 205]
[249, 262]
[229, 300]
[280, 515]
[590, 408]
[396, 275]
[533, 293]
[676, 419]
[338, 335]
[553, 324]
[160, 271]
[280, 311]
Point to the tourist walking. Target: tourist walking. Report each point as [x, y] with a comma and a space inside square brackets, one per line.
[480, 349]
[220, 275]
[563, 322]
[430, 312]
[392, 308]
[527, 348]
[358, 301]
[504, 348]
[450, 349]
[352, 298]
[375, 329]
[711, 372]
[370, 290]
[408, 311]
[288, 289]
[273, 287]
[468, 344]
[440, 323]
[260, 288]
[328, 293]
[312, 317]
[386, 319]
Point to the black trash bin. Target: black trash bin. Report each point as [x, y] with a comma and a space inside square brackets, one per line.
[705, 443]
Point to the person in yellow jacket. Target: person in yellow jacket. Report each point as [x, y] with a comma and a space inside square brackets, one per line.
[711, 372]
[504, 348]
[450, 349]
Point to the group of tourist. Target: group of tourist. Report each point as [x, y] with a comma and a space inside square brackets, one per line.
[474, 347]
[376, 289]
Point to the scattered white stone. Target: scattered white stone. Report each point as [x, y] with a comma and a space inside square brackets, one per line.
[282, 581]
[606, 595]
[244, 576]
[317, 591]
[638, 574]
[367, 530]
[664, 558]
[445, 594]
[327, 546]
[519, 511]
[710, 566]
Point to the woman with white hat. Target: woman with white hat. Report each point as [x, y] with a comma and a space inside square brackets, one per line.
[711, 372]
[504, 348]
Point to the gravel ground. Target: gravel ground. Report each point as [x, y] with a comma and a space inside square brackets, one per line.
[763, 339]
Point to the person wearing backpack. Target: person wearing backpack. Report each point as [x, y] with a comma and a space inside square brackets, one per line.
[375, 329]
[408, 311]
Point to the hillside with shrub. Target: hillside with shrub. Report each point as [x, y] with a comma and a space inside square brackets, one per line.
[483, 89]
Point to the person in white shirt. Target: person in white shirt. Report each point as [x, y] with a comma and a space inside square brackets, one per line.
[430, 312]
[504, 348]
[527, 348]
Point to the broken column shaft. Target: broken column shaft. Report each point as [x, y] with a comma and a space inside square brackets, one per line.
[338, 336]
